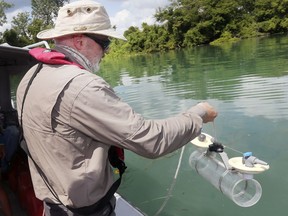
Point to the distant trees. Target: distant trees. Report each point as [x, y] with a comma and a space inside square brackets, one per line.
[3, 19]
[187, 23]
[46, 10]
[25, 25]
[194, 22]
[183, 23]
[150, 38]
[4, 6]
[272, 16]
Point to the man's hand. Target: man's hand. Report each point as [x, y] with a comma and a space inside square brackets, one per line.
[211, 113]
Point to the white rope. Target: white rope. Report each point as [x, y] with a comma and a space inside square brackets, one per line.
[169, 194]
[235, 150]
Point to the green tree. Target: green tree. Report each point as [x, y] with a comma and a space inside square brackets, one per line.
[194, 22]
[187, 23]
[11, 37]
[271, 16]
[46, 10]
[4, 6]
[135, 39]
[25, 27]
[35, 26]
[20, 24]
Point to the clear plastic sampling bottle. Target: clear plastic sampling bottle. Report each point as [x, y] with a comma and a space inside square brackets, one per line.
[240, 188]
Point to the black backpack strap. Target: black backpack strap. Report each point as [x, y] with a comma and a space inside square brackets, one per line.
[39, 67]
[24, 146]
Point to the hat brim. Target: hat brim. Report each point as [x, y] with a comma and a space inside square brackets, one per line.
[52, 33]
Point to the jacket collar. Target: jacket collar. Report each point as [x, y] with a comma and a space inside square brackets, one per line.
[61, 55]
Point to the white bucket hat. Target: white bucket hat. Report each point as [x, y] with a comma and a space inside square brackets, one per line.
[83, 16]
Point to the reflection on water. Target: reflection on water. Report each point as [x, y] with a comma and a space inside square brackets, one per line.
[263, 96]
[251, 75]
[247, 83]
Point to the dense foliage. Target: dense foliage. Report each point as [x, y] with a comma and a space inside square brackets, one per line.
[187, 23]
[25, 25]
[183, 23]
[3, 6]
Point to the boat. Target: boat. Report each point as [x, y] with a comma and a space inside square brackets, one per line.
[16, 60]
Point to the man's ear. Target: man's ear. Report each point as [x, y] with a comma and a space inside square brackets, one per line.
[78, 41]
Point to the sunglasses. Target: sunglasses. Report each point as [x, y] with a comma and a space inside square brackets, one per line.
[104, 43]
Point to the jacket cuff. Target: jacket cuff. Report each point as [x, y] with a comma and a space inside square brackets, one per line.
[198, 109]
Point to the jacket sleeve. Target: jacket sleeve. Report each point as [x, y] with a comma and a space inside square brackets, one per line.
[99, 113]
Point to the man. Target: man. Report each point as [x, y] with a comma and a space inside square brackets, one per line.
[71, 117]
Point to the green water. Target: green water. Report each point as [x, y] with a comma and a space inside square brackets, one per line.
[247, 82]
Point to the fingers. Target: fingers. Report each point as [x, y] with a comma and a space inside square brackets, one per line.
[210, 114]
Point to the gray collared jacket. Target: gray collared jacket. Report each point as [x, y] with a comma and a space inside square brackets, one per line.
[70, 119]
